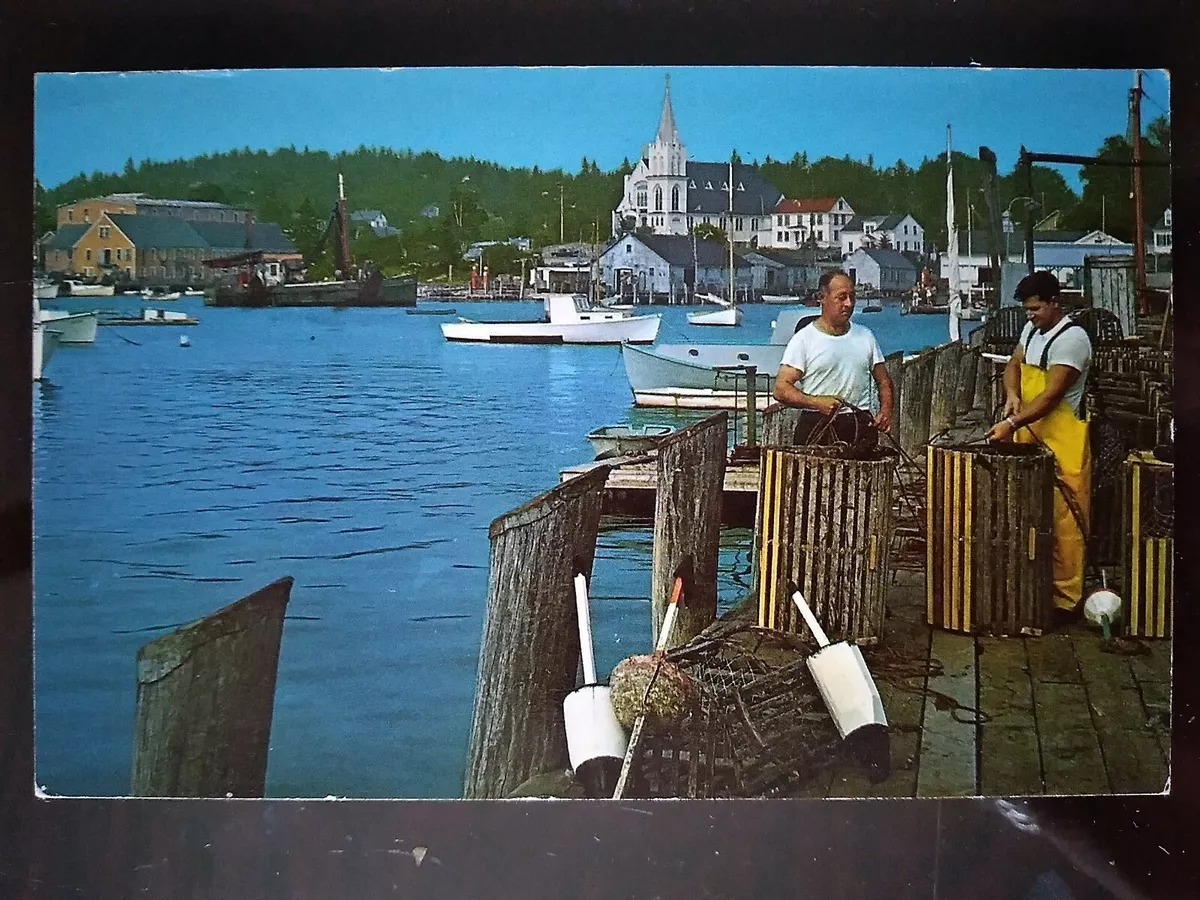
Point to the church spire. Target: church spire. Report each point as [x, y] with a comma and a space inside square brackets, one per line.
[667, 133]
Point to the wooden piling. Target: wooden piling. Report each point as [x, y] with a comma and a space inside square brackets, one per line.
[687, 523]
[913, 423]
[779, 425]
[985, 371]
[529, 657]
[968, 366]
[944, 392]
[894, 363]
[205, 697]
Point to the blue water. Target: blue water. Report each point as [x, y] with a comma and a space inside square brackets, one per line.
[354, 450]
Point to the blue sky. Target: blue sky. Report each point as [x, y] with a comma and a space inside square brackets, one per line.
[551, 117]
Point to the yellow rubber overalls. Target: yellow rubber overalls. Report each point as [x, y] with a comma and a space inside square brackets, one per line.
[1067, 438]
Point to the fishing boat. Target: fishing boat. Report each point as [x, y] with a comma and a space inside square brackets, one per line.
[80, 289]
[708, 376]
[155, 294]
[626, 440]
[728, 314]
[569, 319]
[45, 342]
[72, 328]
[781, 299]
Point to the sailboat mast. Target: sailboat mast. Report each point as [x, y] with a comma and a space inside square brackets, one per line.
[730, 230]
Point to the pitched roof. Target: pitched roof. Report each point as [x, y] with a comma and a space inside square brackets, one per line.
[365, 215]
[159, 232]
[881, 223]
[266, 236]
[66, 237]
[807, 205]
[1161, 224]
[676, 249]
[888, 259]
[756, 198]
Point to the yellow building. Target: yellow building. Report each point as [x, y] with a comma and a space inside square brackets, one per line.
[88, 212]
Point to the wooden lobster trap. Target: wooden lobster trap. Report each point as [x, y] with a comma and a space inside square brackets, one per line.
[989, 544]
[825, 525]
[1149, 552]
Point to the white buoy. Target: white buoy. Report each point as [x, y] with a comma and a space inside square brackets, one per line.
[1102, 606]
[183, 341]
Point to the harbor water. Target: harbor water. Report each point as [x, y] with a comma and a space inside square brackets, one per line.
[360, 453]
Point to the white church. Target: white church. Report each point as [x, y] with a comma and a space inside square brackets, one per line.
[670, 194]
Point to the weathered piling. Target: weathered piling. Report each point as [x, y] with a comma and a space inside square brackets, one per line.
[1149, 546]
[894, 363]
[205, 697]
[687, 523]
[913, 425]
[779, 425]
[968, 366]
[944, 390]
[529, 657]
[986, 374]
[989, 538]
[825, 524]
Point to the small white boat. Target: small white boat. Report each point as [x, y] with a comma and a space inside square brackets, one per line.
[781, 299]
[193, 292]
[44, 288]
[45, 342]
[160, 294]
[72, 328]
[79, 289]
[570, 319]
[626, 440]
[728, 314]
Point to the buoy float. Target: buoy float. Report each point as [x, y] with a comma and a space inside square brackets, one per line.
[183, 341]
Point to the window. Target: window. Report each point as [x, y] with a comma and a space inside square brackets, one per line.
[821, 234]
[87, 254]
[651, 272]
[739, 224]
[779, 236]
[658, 199]
[86, 215]
[104, 230]
[850, 247]
[708, 185]
[675, 198]
[629, 248]
[707, 220]
[754, 224]
[70, 215]
[906, 245]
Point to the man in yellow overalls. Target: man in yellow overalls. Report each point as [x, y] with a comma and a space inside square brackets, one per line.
[1043, 387]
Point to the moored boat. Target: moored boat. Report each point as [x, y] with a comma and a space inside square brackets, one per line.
[625, 440]
[80, 289]
[72, 328]
[44, 288]
[45, 342]
[728, 314]
[569, 320]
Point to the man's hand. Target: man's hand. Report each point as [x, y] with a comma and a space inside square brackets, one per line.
[1012, 406]
[883, 421]
[1001, 431]
[826, 404]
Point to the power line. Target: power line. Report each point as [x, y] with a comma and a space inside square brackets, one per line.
[1152, 100]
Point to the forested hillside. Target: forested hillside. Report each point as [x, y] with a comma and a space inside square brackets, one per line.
[480, 200]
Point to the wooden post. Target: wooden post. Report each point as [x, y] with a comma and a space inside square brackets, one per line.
[751, 406]
[529, 656]
[894, 363]
[205, 697]
[917, 396]
[779, 425]
[984, 370]
[945, 387]
[968, 365]
[687, 523]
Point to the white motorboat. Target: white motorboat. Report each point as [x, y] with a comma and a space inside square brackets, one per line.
[626, 440]
[570, 319]
[709, 376]
[45, 342]
[72, 328]
[79, 289]
[160, 294]
[728, 314]
[44, 288]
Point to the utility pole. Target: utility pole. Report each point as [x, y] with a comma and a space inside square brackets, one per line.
[561, 231]
[1139, 238]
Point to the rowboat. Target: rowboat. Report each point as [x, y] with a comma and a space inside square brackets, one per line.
[626, 440]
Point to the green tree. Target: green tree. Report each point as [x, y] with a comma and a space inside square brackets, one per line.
[706, 231]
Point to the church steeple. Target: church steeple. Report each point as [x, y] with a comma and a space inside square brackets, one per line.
[667, 133]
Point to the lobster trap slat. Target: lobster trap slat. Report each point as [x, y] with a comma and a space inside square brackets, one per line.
[989, 513]
[1149, 551]
[825, 524]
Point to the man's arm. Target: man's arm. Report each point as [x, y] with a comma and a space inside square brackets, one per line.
[1012, 382]
[788, 394]
[1058, 380]
[887, 396]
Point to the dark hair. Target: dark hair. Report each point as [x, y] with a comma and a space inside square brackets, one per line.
[827, 277]
[1042, 285]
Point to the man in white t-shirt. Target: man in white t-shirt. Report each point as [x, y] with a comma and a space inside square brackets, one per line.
[1043, 389]
[828, 369]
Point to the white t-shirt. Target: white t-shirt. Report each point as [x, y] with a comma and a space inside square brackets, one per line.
[836, 364]
[1073, 348]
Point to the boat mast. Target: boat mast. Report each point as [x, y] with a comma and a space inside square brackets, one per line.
[730, 231]
[343, 247]
[953, 300]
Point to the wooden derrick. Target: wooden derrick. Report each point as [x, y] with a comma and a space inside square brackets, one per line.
[825, 524]
[989, 539]
[687, 524]
[944, 391]
[529, 657]
[205, 698]
[913, 423]
[1149, 552]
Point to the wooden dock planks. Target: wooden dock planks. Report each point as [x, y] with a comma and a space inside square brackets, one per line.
[1009, 754]
[948, 739]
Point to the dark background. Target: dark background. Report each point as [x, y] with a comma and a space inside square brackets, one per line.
[1099, 847]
